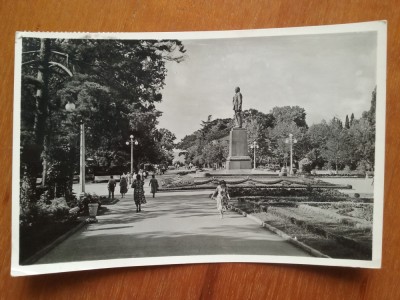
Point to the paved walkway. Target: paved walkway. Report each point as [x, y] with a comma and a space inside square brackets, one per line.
[180, 223]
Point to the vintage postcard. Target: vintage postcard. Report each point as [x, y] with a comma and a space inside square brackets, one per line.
[135, 149]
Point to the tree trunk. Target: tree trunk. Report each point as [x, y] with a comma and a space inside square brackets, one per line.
[36, 151]
[336, 167]
[42, 93]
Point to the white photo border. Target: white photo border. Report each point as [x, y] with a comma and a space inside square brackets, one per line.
[380, 27]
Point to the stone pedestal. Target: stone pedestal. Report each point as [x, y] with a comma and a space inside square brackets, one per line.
[238, 156]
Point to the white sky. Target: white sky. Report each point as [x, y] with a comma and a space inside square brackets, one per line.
[328, 75]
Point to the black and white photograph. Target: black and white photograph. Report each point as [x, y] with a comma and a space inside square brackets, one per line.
[134, 149]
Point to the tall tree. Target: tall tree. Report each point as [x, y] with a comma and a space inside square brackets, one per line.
[215, 152]
[363, 136]
[36, 62]
[289, 120]
[334, 152]
[166, 138]
[363, 143]
[318, 135]
[288, 114]
[347, 123]
[114, 82]
[279, 135]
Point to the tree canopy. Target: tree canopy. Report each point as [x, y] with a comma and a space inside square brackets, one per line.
[322, 145]
[113, 85]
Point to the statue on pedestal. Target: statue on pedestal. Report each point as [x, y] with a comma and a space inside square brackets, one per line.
[238, 157]
[237, 107]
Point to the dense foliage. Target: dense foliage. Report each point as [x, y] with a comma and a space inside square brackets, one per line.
[325, 145]
[113, 86]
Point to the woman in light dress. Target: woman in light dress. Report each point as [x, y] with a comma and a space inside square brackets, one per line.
[221, 194]
[138, 193]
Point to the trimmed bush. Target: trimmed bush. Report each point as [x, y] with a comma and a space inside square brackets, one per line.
[311, 194]
[305, 165]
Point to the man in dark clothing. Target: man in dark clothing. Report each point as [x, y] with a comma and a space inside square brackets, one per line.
[111, 187]
[153, 184]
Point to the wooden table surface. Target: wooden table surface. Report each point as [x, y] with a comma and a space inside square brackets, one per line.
[202, 281]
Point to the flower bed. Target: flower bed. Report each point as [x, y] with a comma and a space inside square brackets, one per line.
[344, 175]
[327, 246]
[309, 194]
[177, 181]
[361, 211]
[183, 173]
[338, 229]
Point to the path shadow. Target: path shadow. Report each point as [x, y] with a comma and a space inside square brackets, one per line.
[161, 243]
[169, 226]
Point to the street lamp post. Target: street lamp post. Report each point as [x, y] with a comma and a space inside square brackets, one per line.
[82, 176]
[132, 141]
[254, 146]
[291, 141]
[82, 152]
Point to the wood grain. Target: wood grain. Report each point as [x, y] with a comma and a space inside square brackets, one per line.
[203, 281]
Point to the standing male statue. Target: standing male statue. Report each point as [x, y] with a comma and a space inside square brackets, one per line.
[237, 107]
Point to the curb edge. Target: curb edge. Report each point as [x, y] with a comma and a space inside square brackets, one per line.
[282, 234]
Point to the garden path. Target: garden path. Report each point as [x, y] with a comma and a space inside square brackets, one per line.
[180, 223]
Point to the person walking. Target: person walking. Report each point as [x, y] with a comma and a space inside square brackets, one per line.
[153, 185]
[138, 192]
[221, 194]
[163, 169]
[130, 176]
[123, 185]
[111, 187]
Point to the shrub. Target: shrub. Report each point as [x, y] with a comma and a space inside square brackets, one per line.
[362, 167]
[344, 211]
[237, 191]
[367, 212]
[41, 191]
[177, 181]
[346, 170]
[72, 201]
[305, 165]
[90, 198]
[56, 211]
[326, 195]
[87, 199]
[348, 222]
[44, 211]
[186, 172]
[28, 214]
[313, 194]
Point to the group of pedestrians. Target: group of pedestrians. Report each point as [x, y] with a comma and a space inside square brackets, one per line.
[221, 193]
[137, 183]
[112, 183]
